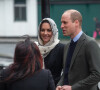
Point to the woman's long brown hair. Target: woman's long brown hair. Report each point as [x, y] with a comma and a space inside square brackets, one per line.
[27, 61]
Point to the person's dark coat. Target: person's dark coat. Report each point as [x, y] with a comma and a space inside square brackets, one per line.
[41, 80]
[54, 60]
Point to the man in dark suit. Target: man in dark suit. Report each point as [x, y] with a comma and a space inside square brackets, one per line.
[81, 70]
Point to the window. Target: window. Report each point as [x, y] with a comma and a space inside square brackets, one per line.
[20, 10]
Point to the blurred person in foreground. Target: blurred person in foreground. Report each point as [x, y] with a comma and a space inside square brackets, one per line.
[81, 56]
[50, 47]
[26, 72]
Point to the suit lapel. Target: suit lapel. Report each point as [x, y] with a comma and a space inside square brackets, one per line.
[77, 49]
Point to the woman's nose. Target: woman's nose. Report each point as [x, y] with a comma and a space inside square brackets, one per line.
[45, 32]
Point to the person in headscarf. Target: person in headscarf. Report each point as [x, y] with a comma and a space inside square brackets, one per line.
[50, 47]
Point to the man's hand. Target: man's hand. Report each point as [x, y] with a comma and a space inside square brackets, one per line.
[66, 87]
[58, 87]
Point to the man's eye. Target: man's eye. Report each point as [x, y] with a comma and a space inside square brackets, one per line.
[64, 22]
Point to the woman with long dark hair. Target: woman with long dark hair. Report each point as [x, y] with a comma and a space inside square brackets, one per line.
[26, 72]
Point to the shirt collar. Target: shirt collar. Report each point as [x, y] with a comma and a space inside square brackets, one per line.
[77, 36]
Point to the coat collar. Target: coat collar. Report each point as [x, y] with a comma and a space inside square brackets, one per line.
[77, 48]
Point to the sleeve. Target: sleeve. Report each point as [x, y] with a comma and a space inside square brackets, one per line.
[62, 53]
[93, 60]
[60, 83]
[51, 85]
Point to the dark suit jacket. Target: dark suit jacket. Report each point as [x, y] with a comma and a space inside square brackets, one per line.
[39, 81]
[84, 71]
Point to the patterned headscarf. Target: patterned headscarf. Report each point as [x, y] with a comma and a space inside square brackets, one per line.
[45, 49]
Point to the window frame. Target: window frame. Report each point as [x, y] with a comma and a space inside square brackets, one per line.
[20, 7]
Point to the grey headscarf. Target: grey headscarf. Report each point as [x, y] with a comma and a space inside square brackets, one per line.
[45, 49]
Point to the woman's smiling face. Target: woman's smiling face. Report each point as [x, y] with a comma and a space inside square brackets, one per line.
[46, 32]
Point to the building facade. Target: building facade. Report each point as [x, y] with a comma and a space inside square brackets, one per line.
[18, 17]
